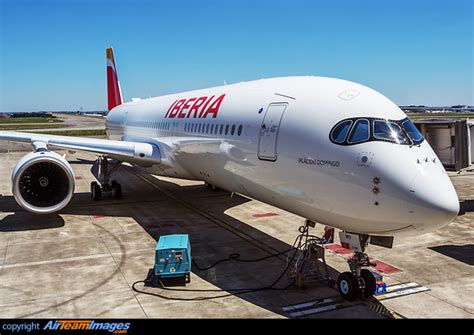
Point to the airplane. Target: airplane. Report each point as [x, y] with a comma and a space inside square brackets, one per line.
[329, 150]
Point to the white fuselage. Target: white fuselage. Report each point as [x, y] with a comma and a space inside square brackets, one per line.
[280, 152]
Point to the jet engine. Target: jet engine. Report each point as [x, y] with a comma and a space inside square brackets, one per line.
[43, 182]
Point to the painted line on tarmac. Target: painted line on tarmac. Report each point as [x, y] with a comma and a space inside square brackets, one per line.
[317, 306]
[306, 304]
[401, 290]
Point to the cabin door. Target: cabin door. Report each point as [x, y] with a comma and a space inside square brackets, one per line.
[267, 145]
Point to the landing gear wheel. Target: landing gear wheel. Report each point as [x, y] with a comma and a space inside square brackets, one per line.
[113, 183]
[96, 191]
[207, 186]
[116, 190]
[93, 184]
[369, 283]
[348, 286]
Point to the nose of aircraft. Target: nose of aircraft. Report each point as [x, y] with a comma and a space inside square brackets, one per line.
[433, 201]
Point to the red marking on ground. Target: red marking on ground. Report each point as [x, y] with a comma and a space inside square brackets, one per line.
[77, 178]
[385, 268]
[338, 249]
[265, 215]
[379, 266]
[100, 216]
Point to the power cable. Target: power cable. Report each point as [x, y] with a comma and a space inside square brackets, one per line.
[297, 245]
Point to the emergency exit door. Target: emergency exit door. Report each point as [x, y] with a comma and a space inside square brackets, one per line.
[267, 145]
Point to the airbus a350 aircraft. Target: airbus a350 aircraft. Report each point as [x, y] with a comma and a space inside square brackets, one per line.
[330, 150]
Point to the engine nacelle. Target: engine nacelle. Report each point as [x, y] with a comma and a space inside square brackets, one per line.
[43, 182]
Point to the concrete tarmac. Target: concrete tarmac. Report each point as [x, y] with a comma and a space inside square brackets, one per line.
[82, 262]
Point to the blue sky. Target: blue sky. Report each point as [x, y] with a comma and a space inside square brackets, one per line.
[52, 53]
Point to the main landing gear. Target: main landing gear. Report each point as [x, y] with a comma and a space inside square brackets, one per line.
[112, 188]
[358, 282]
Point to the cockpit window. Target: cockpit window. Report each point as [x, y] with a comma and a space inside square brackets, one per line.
[412, 131]
[340, 132]
[360, 132]
[389, 131]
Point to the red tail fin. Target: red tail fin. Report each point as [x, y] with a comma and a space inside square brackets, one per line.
[114, 93]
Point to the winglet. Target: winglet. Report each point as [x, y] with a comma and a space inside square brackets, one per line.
[114, 93]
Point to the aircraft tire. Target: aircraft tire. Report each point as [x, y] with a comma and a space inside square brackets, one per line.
[117, 190]
[92, 186]
[96, 191]
[369, 283]
[348, 286]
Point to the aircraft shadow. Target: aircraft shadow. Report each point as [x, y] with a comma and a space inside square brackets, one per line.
[462, 253]
[24, 221]
[210, 242]
[466, 206]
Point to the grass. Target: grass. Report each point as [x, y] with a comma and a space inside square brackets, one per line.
[23, 120]
[72, 132]
[440, 115]
[30, 126]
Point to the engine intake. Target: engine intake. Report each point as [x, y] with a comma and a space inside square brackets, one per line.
[43, 182]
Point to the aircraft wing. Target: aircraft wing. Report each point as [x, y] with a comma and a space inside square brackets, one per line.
[143, 151]
[124, 150]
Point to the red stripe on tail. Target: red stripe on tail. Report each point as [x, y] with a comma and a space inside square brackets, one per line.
[114, 93]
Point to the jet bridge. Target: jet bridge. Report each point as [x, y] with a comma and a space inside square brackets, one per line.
[451, 140]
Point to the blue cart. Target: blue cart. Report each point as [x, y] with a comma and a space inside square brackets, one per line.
[173, 257]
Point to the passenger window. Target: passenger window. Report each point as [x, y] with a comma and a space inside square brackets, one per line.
[212, 128]
[340, 132]
[232, 130]
[207, 128]
[226, 129]
[222, 129]
[360, 131]
[239, 132]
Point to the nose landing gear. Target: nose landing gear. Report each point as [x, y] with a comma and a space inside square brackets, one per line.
[358, 282]
[113, 188]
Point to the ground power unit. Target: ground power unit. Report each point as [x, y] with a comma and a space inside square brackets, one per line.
[173, 257]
